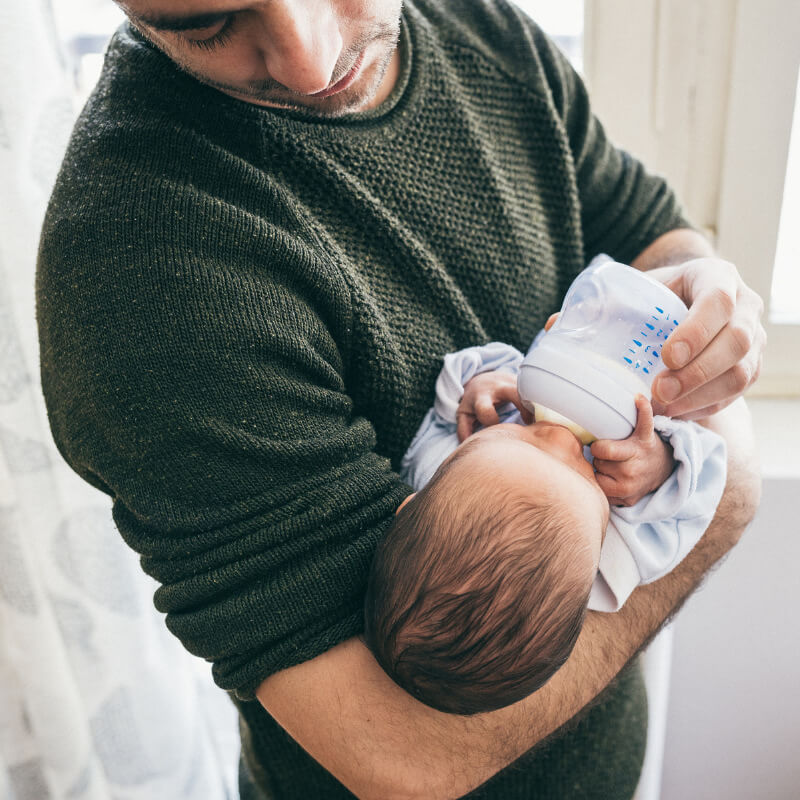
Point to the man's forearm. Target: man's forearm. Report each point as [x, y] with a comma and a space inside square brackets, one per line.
[673, 248]
[382, 743]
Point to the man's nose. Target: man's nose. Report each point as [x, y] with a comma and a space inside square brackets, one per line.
[301, 43]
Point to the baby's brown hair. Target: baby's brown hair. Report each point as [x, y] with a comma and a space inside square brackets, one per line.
[468, 608]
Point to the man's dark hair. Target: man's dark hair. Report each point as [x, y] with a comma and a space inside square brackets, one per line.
[470, 610]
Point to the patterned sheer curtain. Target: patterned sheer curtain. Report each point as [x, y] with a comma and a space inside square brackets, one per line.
[97, 701]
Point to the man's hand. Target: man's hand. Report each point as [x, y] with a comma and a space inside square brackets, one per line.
[630, 468]
[482, 394]
[715, 354]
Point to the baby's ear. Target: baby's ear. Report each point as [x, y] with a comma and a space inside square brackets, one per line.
[404, 502]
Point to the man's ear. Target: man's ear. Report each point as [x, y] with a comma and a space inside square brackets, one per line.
[404, 502]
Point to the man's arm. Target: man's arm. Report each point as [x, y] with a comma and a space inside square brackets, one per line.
[382, 743]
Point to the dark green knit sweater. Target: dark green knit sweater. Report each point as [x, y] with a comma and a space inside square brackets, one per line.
[243, 312]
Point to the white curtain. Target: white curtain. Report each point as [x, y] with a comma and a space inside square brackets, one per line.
[97, 700]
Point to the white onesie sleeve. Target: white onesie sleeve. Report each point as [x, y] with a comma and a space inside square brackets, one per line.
[648, 540]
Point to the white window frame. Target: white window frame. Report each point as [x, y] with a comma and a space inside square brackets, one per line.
[764, 86]
[703, 92]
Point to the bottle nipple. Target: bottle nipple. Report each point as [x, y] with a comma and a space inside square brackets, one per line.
[543, 414]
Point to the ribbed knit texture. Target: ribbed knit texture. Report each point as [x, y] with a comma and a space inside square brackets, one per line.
[243, 313]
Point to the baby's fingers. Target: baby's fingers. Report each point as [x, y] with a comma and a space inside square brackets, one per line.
[610, 487]
[551, 320]
[620, 489]
[465, 425]
[608, 469]
[623, 449]
[611, 450]
[508, 393]
[485, 411]
[644, 419]
[621, 501]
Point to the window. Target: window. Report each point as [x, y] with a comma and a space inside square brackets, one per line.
[784, 305]
[705, 92]
[84, 28]
[759, 206]
[563, 22]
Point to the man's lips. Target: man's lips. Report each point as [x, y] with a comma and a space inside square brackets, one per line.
[344, 82]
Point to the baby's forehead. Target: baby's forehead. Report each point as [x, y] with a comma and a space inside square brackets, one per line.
[505, 435]
[484, 465]
[488, 443]
[506, 460]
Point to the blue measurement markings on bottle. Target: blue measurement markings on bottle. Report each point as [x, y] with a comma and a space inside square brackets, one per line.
[645, 348]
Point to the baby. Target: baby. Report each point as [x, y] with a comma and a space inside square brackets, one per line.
[480, 587]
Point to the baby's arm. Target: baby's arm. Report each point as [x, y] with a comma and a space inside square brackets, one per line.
[436, 438]
[631, 468]
[482, 394]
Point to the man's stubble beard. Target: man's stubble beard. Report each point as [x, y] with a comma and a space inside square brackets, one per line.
[271, 94]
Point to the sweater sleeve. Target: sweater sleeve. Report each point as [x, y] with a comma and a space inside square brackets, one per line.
[649, 539]
[200, 380]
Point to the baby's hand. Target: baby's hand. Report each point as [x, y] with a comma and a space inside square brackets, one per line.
[481, 394]
[629, 469]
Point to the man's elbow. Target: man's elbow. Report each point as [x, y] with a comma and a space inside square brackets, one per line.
[743, 486]
[739, 502]
[743, 491]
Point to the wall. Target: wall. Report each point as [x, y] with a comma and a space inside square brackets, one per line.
[733, 724]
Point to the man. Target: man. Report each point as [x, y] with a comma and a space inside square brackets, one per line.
[273, 220]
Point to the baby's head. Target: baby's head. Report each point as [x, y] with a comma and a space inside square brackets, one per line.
[479, 589]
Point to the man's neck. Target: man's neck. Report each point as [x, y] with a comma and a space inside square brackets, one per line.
[389, 80]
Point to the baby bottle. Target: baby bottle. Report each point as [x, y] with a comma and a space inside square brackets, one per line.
[603, 350]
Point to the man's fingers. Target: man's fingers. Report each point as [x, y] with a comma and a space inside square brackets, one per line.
[710, 287]
[721, 388]
[702, 413]
[706, 400]
[738, 346]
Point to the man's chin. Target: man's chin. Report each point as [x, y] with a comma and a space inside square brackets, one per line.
[357, 97]
[345, 102]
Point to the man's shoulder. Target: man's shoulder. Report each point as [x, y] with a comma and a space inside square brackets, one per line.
[505, 36]
[153, 150]
[146, 115]
[487, 21]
